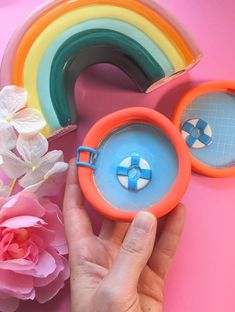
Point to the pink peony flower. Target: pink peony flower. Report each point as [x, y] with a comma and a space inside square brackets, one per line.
[32, 243]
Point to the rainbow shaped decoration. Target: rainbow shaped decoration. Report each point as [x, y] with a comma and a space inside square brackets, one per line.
[62, 38]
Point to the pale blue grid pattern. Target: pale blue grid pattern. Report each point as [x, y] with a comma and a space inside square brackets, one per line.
[218, 109]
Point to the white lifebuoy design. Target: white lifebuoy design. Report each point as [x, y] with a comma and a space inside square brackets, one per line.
[134, 173]
[197, 133]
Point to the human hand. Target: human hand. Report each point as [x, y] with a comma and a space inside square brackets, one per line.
[124, 268]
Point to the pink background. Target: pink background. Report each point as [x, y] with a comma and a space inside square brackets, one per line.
[203, 273]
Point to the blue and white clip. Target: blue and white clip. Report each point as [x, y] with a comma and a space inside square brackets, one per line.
[134, 173]
[197, 133]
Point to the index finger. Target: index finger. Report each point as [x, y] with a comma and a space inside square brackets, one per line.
[76, 219]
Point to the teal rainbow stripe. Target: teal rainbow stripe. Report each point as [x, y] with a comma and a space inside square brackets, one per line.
[130, 48]
[121, 27]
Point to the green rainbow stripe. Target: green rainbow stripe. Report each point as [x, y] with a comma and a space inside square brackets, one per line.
[76, 43]
[130, 31]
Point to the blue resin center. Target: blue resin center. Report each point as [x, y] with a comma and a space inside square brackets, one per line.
[151, 144]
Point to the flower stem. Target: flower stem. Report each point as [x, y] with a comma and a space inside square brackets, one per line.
[12, 185]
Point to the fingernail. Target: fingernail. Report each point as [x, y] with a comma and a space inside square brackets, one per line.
[144, 221]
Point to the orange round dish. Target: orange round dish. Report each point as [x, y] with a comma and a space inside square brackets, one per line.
[159, 164]
[211, 104]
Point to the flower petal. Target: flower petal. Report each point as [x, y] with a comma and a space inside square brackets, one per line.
[32, 148]
[46, 293]
[35, 188]
[12, 99]
[45, 234]
[22, 222]
[7, 137]
[31, 178]
[61, 264]
[45, 266]
[50, 186]
[9, 304]
[8, 283]
[21, 204]
[28, 121]
[53, 218]
[28, 296]
[45, 164]
[54, 179]
[13, 166]
[25, 296]
[16, 265]
[48, 161]
[56, 171]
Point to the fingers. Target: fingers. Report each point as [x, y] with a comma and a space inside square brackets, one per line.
[113, 231]
[134, 253]
[73, 192]
[166, 246]
[77, 223]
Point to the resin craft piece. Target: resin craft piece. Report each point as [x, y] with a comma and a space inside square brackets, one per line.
[206, 118]
[61, 39]
[134, 173]
[197, 133]
[132, 160]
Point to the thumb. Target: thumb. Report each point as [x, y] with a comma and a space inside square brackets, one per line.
[135, 251]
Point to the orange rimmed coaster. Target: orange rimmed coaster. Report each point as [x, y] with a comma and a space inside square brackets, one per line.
[206, 118]
[124, 150]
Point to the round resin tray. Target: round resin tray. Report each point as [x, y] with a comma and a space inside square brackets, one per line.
[132, 160]
[206, 118]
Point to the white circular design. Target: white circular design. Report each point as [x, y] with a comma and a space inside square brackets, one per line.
[134, 172]
[197, 144]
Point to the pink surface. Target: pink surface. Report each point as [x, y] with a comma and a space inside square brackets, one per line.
[202, 276]
[8, 57]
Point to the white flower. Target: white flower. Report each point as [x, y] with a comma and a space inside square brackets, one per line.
[7, 136]
[40, 170]
[51, 182]
[15, 115]
[4, 189]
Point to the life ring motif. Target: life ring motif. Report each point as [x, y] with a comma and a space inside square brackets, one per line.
[134, 173]
[197, 133]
